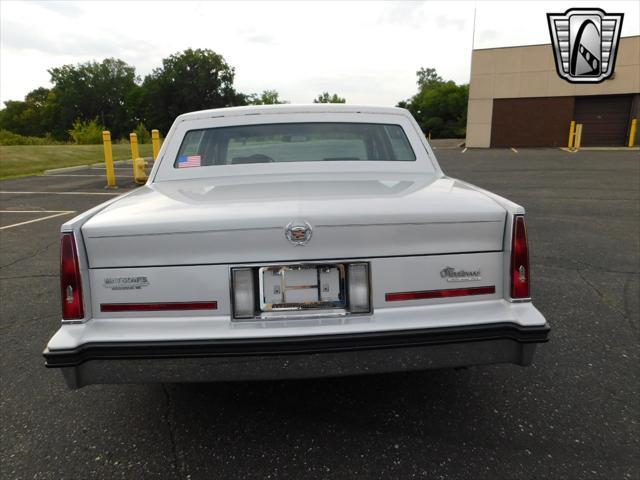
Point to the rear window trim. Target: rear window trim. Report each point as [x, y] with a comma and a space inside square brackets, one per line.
[407, 140]
[425, 164]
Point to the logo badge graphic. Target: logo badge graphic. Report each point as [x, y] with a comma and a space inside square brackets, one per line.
[298, 233]
[585, 43]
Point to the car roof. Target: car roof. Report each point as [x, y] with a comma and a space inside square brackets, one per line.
[288, 108]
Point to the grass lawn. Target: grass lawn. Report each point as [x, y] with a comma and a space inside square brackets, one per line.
[23, 160]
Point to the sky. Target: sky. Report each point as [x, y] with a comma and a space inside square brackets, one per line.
[366, 51]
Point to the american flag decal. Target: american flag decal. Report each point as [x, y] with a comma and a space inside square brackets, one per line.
[189, 161]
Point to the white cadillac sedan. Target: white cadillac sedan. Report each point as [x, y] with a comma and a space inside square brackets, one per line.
[293, 241]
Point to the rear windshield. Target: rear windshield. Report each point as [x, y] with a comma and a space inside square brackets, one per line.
[294, 142]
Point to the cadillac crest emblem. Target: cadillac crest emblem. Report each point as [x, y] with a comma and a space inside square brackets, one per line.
[298, 233]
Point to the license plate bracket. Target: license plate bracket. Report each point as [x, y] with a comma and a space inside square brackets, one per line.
[302, 287]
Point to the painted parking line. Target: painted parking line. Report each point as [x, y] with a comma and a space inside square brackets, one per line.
[81, 175]
[35, 211]
[114, 194]
[57, 214]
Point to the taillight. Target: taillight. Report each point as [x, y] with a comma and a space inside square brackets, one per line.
[70, 281]
[519, 259]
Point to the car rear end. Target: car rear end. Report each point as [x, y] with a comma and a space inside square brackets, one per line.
[377, 274]
[268, 320]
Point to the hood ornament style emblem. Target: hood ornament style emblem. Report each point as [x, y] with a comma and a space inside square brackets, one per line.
[298, 233]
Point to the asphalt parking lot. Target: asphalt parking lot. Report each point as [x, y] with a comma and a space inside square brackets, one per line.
[573, 414]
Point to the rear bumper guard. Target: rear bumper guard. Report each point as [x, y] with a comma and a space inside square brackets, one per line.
[296, 357]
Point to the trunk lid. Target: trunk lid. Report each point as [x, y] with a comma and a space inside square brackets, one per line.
[242, 220]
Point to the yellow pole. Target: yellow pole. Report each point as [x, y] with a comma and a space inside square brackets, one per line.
[578, 140]
[108, 159]
[155, 142]
[133, 138]
[429, 135]
[572, 132]
[632, 132]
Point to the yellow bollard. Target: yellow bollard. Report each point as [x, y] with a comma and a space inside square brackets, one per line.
[135, 153]
[133, 138]
[108, 159]
[155, 142]
[572, 133]
[578, 139]
[139, 174]
[429, 136]
[632, 132]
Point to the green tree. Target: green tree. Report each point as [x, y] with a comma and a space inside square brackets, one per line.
[187, 81]
[439, 107]
[92, 90]
[324, 97]
[29, 117]
[88, 132]
[143, 135]
[267, 97]
[428, 77]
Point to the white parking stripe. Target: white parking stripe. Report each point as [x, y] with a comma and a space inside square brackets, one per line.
[81, 175]
[35, 211]
[37, 220]
[65, 193]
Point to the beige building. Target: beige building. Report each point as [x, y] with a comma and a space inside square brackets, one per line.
[516, 98]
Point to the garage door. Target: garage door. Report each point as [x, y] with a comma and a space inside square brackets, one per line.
[531, 122]
[605, 119]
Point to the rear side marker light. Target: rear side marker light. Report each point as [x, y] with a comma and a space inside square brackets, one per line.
[519, 260]
[157, 307]
[70, 281]
[428, 294]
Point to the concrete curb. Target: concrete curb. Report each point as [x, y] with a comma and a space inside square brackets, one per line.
[121, 162]
[115, 163]
[602, 149]
[74, 168]
[65, 169]
[610, 149]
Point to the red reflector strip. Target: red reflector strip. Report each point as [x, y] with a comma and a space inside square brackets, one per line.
[157, 307]
[452, 292]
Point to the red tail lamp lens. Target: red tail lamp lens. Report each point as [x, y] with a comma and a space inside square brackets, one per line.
[520, 275]
[428, 294]
[70, 281]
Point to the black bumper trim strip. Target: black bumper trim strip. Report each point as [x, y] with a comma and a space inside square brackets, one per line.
[294, 345]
